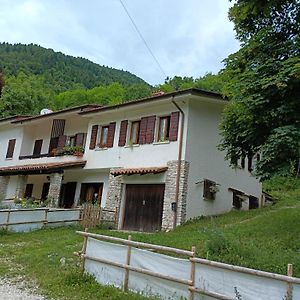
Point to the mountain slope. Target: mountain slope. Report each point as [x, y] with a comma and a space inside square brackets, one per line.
[61, 72]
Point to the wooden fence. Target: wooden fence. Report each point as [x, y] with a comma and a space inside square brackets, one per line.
[36, 218]
[189, 283]
[92, 215]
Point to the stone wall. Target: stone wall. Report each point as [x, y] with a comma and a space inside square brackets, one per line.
[21, 186]
[170, 194]
[4, 180]
[114, 193]
[54, 189]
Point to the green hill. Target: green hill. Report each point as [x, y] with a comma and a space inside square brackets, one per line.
[32, 78]
[61, 72]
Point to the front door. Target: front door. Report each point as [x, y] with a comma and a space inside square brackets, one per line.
[67, 194]
[143, 207]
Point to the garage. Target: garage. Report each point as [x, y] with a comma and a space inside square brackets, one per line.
[143, 207]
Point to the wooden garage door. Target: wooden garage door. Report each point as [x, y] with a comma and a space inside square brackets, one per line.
[143, 207]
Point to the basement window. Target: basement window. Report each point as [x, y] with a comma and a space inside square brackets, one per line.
[209, 189]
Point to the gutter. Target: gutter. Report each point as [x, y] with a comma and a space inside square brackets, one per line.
[178, 162]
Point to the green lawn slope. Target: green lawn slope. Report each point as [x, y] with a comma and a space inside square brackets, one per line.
[266, 239]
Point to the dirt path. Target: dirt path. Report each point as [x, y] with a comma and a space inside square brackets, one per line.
[16, 290]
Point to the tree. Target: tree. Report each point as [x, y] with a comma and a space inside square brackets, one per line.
[264, 86]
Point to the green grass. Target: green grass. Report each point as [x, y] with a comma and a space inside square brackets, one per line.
[266, 239]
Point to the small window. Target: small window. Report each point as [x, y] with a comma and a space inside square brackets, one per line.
[164, 129]
[103, 137]
[237, 199]
[10, 148]
[134, 132]
[37, 147]
[72, 141]
[209, 189]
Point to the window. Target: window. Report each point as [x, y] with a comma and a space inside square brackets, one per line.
[134, 132]
[71, 141]
[209, 189]
[37, 147]
[10, 148]
[104, 137]
[163, 129]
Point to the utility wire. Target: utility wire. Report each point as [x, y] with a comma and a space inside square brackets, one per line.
[144, 41]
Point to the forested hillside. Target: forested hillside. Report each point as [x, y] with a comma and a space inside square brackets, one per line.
[61, 72]
[32, 78]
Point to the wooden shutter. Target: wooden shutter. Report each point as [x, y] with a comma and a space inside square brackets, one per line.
[150, 129]
[111, 134]
[37, 147]
[93, 137]
[10, 148]
[61, 141]
[79, 139]
[58, 127]
[174, 122]
[123, 132]
[143, 130]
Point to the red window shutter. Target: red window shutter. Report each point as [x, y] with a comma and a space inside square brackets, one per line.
[79, 139]
[150, 129]
[58, 127]
[10, 148]
[111, 134]
[174, 122]
[93, 137]
[123, 132]
[61, 141]
[143, 130]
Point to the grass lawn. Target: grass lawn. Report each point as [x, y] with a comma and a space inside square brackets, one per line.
[266, 239]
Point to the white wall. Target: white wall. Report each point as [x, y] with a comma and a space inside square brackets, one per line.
[206, 161]
[155, 154]
[7, 133]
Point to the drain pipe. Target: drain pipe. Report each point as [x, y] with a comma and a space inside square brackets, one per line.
[178, 162]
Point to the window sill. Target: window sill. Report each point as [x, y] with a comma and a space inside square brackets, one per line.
[9, 158]
[131, 146]
[161, 143]
[101, 149]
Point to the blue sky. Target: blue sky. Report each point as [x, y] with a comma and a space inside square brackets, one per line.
[188, 37]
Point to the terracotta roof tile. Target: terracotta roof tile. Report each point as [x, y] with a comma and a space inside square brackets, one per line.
[140, 171]
[42, 167]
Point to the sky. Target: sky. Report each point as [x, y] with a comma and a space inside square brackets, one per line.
[187, 37]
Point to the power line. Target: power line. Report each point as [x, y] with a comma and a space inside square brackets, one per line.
[144, 41]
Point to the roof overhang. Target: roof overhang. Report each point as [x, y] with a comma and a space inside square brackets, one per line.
[45, 168]
[138, 171]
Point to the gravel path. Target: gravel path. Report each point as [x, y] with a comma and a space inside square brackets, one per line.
[16, 290]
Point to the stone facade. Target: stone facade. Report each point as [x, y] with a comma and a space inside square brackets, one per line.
[54, 189]
[4, 180]
[114, 193]
[170, 194]
[21, 186]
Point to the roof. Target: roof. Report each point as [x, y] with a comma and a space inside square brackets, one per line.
[157, 97]
[40, 168]
[14, 118]
[81, 108]
[139, 171]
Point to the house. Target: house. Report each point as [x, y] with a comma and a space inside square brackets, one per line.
[154, 159]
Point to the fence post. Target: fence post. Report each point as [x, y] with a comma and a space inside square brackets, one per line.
[83, 251]
[7, 220]
[192, 274]
[46, 216]
[126, 277]
[289, 294]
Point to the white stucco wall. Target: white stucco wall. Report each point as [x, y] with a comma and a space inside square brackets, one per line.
[7, 133]
[206, 161]
[155, 154]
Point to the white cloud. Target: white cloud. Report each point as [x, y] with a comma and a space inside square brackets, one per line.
[189, 38]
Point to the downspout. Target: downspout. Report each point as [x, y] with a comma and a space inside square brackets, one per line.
[178, 162]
